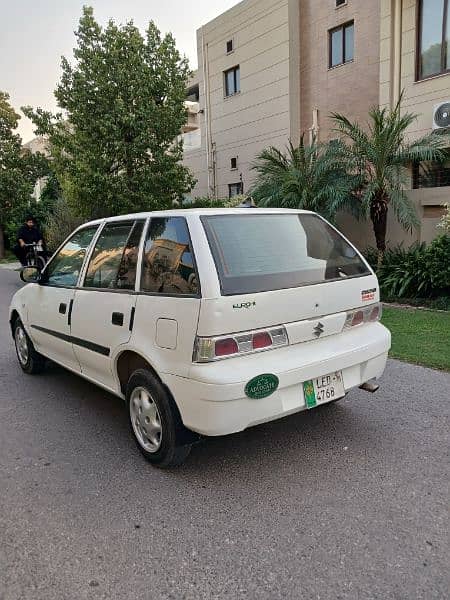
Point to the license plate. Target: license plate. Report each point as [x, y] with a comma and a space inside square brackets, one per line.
[323, 389]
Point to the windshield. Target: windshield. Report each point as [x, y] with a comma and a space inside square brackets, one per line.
[264, 252]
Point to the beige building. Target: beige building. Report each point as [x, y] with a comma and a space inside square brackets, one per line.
[415, 58]
[272, 69]
[243, 87]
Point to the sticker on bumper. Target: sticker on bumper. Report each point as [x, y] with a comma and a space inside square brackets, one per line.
[262, 386]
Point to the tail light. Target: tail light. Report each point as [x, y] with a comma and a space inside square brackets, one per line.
[209, 349]
[367, 314]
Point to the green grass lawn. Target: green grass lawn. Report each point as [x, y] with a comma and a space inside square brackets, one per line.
[419, 336]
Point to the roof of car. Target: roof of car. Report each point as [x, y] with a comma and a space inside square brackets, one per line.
[200, 211]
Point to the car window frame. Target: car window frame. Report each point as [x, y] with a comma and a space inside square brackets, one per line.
[141, 292]
[44, 281]
[83, 273]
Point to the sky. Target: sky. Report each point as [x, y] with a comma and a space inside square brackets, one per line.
[34, 34]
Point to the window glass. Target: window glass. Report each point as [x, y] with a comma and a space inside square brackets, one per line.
[234, 189]
[237, 82]
[432, 16]
[64, 269]
[114, 259]
[337, 52]
[432, 174]
[349, 42]
[256, 253]
[126, 278]
[168, 264]
[232, 81]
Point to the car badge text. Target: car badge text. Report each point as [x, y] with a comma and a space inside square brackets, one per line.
[244, 305]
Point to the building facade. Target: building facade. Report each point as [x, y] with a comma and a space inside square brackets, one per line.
[243, 86]
[270, 70]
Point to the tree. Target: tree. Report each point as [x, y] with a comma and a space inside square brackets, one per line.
[114, 144]
[18, 171]
[381, 158]
[305, 177]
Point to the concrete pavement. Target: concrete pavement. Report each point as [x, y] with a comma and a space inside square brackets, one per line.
[349, 501]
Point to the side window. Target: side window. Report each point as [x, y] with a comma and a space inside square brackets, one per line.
[64, 269]
[114, 259]
[168, 264]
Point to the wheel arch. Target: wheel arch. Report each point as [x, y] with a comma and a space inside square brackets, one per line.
[12, 319]
[129, 361]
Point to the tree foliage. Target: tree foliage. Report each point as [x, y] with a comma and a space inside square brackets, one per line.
[19, 170]
[381, 157]
[122, 107]
[304, 177]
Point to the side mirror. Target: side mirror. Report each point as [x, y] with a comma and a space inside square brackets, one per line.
[30, 274]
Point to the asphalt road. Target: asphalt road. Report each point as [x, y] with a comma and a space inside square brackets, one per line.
[345, 502]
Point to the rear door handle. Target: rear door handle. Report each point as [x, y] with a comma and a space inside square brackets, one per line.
[69, 316]
[117, 319]
[62, 308]
[133, 310]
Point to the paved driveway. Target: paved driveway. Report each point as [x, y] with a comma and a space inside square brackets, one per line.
[345, 502]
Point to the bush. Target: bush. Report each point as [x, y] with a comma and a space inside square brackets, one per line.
[420, 271]
[438, 261]
[445, 221]
[60, 224]
[219, 203]
[200, 202]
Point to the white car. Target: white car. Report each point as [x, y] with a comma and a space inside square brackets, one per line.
[205, 322]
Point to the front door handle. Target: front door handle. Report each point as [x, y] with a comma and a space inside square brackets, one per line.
[62, 308]
[117, 319]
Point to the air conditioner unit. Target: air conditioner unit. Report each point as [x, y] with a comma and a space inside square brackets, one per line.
[441, 116]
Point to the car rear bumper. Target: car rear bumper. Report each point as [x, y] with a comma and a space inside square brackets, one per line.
[212, 400]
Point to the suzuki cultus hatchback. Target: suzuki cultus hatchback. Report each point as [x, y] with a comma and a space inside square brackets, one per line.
[205, 322]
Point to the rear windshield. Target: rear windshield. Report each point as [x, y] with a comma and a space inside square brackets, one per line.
[263, 252]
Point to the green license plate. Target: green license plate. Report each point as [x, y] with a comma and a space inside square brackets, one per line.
[323, 389]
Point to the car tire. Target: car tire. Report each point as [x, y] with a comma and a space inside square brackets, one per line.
[154, 421]
[40, 263]
[29, 359]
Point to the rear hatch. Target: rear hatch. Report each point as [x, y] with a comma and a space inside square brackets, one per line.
[290, 269]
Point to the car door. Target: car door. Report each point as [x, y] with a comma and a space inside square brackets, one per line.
[50, 303]
[104, 303]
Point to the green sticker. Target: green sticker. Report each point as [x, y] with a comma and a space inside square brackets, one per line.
[262, 386]
[310, 394]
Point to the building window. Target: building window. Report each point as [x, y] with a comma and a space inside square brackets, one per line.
[434, 38]
[232, 79]
[341, 43]
[233, 162]
[432, 174]
[234, 189]
[340, 3]
[230, 46]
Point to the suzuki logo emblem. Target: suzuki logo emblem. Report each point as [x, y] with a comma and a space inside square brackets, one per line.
[318, 329]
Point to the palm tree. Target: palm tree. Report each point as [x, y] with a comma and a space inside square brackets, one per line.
[382, 156]
[305, 177]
